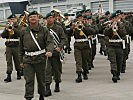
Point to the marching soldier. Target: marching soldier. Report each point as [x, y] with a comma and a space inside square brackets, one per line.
[129, 30]
[36, 45]
[12, 34]
[101, 37]
[81, 47]
[54, 62]
[91, 23]
[116, 34]
[67, 23]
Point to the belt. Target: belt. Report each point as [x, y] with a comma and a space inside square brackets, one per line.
[100, 34]
[12, 40]
[81, 40]
[35, 53]
[94, 38]
[67, 29]
[118, 40]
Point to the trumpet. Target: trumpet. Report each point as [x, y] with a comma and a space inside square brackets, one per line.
[79, 25]
[10, 28]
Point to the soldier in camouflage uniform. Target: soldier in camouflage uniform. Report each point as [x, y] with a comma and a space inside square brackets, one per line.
[12, 34]
[54, 62]
[33, 54]
[116, 34]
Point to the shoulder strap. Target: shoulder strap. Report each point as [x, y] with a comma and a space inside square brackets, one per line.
[35, 40]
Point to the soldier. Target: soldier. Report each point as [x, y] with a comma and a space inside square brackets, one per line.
[54, 62]
[129, 30]
[36, 45]
[67, 23]
[12, 34]
[91, 23]
[101, 37]
[116, 34]
[81, 47]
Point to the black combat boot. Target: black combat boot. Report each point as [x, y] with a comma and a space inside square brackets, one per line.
[118, 75]
[101, 51]
[85, 75]
[79, 79]
[57, 87]
[18, 75]
[8, 79]
[41, 97]
[114, 78]
[48, 91]
[22, 72]
[28, 98]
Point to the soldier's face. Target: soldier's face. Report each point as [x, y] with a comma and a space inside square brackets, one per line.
[33, 19]
[12, 20]
[50, 20]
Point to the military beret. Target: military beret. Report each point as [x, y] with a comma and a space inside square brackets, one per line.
[89, 17]
[33, 13]
[78, 12]
[85, 16]
[11, 16]
[79, 15]
[66, 14]
[82, 11]
[118, 12]
[49, 14]
[44, 17]
[88, 10]
[107, 13]
[113, 15]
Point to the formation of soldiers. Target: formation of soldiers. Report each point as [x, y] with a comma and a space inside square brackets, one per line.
[38, 49]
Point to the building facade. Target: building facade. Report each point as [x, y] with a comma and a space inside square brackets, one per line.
[71, 6]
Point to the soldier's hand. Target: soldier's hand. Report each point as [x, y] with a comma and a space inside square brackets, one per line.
[58, 49]
[48, 54]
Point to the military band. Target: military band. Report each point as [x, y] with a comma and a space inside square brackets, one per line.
[42, 46]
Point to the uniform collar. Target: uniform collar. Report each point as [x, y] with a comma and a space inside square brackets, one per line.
[35, 28]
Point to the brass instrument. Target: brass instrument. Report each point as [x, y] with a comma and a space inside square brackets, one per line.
[67, 22]
[79, 25]
[10, 28]
[24, 21]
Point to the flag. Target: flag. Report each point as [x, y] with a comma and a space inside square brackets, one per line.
[18, 7]
[5, 1]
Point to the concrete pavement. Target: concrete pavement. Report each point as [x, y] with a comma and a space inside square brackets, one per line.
[99, 86]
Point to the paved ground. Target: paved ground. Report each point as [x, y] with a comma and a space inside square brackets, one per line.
[98, 87]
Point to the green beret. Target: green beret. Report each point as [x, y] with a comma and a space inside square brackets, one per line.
[113, 15]
[11, 16]
[66, 14]
[33, 13]
[88, 10]
[85, 16]
[49, 14]
[79, 15]
[107, 13]
[89, 17]
[82, 11]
